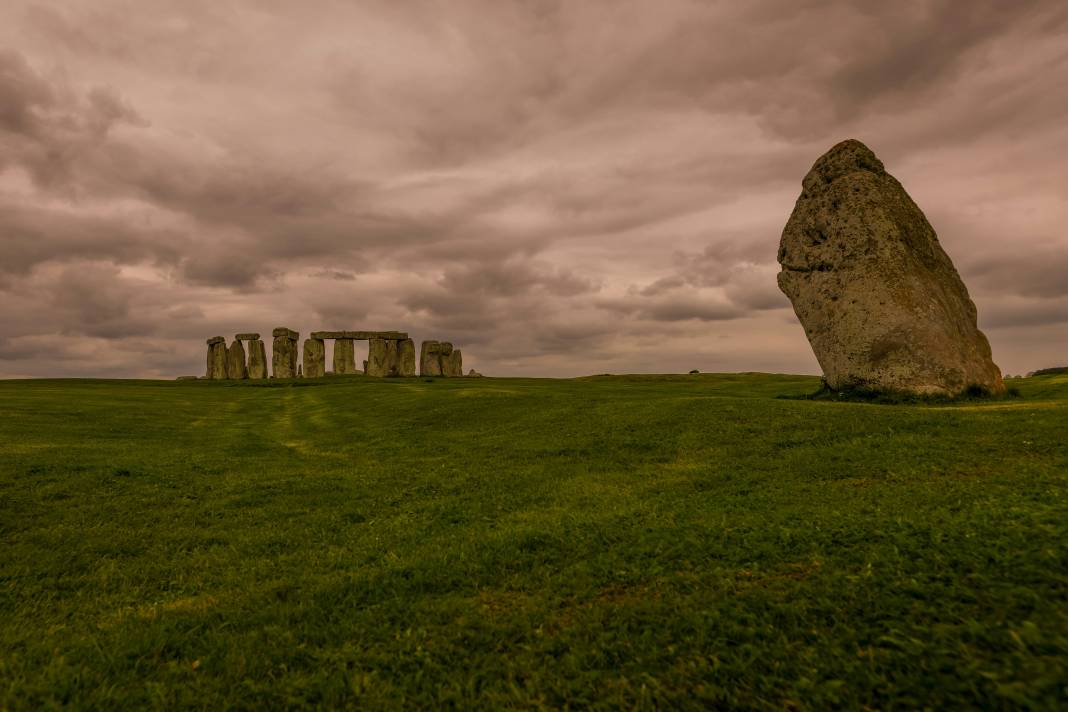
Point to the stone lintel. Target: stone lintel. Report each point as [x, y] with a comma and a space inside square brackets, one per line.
[216, 340]
[283, 331]
[247, 337]
[361, 335]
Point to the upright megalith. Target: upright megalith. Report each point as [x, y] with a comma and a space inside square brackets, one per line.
[217, 360]
[236, 366]
[284, 356]
[406, 358]
[314, 358]
[382, 358]
[880, 301]
[452, 364]
[429, 359]
[344, 356]
[257, 359]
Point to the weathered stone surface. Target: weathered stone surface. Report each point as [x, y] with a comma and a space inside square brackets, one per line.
[360, 335]
[474, 374]
[880, 301]
[216, 340]
[406, 358]
[235, 361]
[217, 360]
[284, 353]
[382, 358]
[429, 363]
[257, 360]
[187, 378]
[344, 356]
[444, 348]
[247, 337]
[314, 358]
[452, 364]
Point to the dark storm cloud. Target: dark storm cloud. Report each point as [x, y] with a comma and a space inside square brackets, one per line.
[562, 187]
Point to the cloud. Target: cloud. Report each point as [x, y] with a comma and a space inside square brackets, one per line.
[558, 187]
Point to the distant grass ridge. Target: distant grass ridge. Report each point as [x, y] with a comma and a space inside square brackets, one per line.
[637, 542]
[1055, 371]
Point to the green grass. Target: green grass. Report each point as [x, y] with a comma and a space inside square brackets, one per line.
[639, 542]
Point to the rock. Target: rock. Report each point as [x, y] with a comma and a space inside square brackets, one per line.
[235, 361]
[444, 348]
[880, 301]
[299, 374]
[429, 363]
[246, 337]
[344, 356]
[360, 335]
[257, 359]
[382, 358]
[474, 374]
[216, 358]
[406, 358]
[314, 358]
[452, 364]
[284, 356]
[187, 378]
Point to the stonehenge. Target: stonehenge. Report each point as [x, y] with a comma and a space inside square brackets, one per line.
[389, 354]
[439, 358]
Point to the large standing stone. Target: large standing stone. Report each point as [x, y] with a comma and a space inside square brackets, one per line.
[344, 356]
[429, 361]
[382, 357]
[257, 359]
[235, 361]
[406, 358]
[880, 301]
[216, 358]
[452, 364]
[284, 356]
[314, 358]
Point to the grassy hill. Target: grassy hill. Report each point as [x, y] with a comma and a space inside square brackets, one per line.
[513, 543]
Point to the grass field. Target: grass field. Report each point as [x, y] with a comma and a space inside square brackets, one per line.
[676, 541]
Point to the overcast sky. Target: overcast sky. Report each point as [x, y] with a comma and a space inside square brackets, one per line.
[559, 188]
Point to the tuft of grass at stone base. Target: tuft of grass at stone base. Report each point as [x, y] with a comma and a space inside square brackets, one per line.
[640, 542]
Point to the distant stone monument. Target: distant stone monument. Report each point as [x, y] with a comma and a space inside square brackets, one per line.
[390, 353]
[880, 301]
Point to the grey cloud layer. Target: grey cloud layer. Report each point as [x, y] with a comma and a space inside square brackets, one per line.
[565, 187]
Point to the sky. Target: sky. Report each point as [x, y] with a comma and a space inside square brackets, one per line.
[558, 188]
